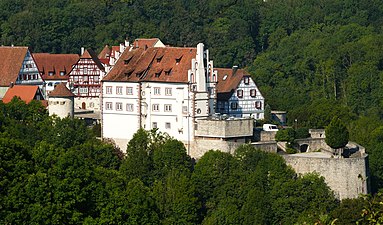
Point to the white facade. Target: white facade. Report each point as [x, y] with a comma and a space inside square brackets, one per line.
[61, 106]
[29, 74]
[246, 101]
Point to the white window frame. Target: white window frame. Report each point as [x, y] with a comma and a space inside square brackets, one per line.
[167, 107]
[253, 93]
[156, 107]
[118, 106]
[157, 91]
[168, 91]
[129, 107]
[109, 90]
[108, 106]
[119, 90]
[129, 90]
[240, 93]
[246, 80]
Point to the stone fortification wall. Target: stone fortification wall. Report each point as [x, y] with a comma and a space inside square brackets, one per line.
[267, 135]
[200, 146]
[270, 146]
[224, 128]
[347, 177]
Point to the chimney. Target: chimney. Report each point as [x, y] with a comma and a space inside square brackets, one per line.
[126, 43]
[235, 68]
[82, 50]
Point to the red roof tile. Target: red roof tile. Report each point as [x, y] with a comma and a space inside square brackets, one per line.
[105, 52]
[11, 60]
[25, 92]
[228, 80]
[61, 91]
[90, 54]
[142, 65]
[145, 42]
[55, 63]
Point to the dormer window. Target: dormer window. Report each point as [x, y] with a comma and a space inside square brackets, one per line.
[62, 73]
[159, 58]
[168, 71]
[157, 74]
[126, 61]
[178, 59]
[50, 73]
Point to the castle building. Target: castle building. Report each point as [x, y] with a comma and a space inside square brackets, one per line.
[18, 67]
[85, 81]
[54, 68]
[61, 102]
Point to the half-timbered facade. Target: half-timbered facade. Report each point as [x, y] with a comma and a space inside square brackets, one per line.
[238, 95]
[85, 81]
[17, 66]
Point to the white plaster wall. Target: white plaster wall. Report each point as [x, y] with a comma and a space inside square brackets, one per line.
[60, 106]
[90, 103]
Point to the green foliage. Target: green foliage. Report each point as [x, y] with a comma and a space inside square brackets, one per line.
[287, 134]
[302, 132]
[336, 134]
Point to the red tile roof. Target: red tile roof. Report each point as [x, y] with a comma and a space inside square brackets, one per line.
[25, 92]
[105, 52]
[55, 63]
[61, 91]
[90, 54]
[11, 60]
[228, 80]
[153, 64]
[145, 42]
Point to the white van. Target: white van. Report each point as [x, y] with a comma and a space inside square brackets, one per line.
[270, 127]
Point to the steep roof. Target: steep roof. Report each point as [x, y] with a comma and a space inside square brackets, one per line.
[145, 42]
[168, 64]
[228, 80]
[55, 63]
[105, 52]
[90, 54]
[61, 91]
[25, 92]
[11, 61]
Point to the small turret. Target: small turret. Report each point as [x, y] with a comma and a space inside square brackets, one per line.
[61, 102]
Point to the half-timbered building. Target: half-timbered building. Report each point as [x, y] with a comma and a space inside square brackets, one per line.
[85, 81]
[238, 95]
[17, 66]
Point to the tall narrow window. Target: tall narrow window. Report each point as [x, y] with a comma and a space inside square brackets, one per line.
[155, 107]
[258, 105]
[168, 91]
[246, 80]
[119, 106]
[119, 90]
[129, 107]
[168, 108]
[253, 93]
[108, 89]
[157, 91]
[234, 105]
[108, 106]
[239, 93]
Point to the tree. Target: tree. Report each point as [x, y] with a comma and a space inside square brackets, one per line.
[336, 134]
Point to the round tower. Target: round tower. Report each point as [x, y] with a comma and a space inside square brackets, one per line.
[61, 102]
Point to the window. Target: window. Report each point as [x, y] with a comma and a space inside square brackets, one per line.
[108, 106]
[85, 70]
[157, 74]
[234, 105]
[129, 90]
[211, 90]
[253, 93]
[155, 107]
[239, 93]
[167, 125]
[119, 90]
[119, 106]
[157, 91]
[168, 91]
[50, 73]
[246, 80]
[168, 72]
[108, 89]
[258, 104]
[62, 73]
[184, 109]
[168, 108]
[50, 84]
[154, 124]
[129, 107]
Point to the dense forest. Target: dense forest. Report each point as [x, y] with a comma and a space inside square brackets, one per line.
[314, 58]
[54, 171]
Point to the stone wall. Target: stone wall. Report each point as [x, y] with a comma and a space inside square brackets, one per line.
[268, 135]
[200, 146]
[224, 128]
[347, 177]
[270, 146]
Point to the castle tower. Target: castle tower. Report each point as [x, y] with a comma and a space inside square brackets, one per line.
[61, 102]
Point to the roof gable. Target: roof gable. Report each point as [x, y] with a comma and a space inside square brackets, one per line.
[61, 91]
[90, 54]
[228, 80]
[11, 61]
